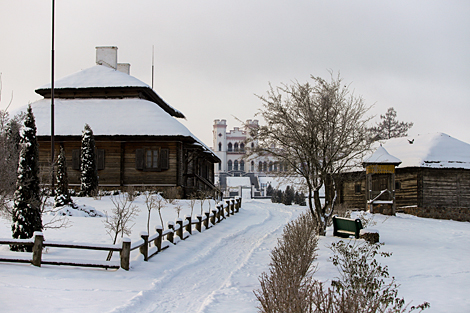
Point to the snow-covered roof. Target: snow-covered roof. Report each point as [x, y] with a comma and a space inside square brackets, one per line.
[436, 150]
[381, 156]
[98, 76]
[129, 116]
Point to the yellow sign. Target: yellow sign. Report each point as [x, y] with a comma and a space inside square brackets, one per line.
[380, 169]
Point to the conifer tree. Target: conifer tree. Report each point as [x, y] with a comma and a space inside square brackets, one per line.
[390, 127]
[288, 196]
[62, 195]
[88, 168]
[26, 217]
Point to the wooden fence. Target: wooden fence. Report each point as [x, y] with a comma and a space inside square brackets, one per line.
[180, 230]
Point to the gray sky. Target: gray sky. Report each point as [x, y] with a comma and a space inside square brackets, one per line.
[212, 56]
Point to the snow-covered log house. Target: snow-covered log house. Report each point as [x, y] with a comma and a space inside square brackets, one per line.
[139, 141]
[433, 179]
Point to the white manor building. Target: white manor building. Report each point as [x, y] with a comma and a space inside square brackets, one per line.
[231, 147]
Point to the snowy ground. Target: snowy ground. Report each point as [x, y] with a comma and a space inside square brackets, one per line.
[217, 270]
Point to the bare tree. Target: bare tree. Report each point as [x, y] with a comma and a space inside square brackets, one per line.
[317, 131]
[123, 214]
[192, 202]
[154, 201]
[9, 155]
[390, 127]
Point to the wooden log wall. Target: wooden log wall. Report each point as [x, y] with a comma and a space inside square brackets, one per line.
[445, 188]
[119, 163]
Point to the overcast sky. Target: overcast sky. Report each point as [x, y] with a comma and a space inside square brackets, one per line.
[212, 56]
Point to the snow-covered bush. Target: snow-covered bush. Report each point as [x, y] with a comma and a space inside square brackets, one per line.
[88, 166]
[26, 217]
[363, 284]
[62, 195]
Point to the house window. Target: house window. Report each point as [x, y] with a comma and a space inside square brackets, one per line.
[235, 147]
[229, 147]
[357, 188]
[265, 166]
[220, 146]
[275, 167]
[229, 164]
[270, 166]
[260, 166]
[242, 147]
[252, 166]
[152, 159]
[235, 165]
[242, 165]
[220, 166]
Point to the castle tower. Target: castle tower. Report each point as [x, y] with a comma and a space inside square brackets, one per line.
[219, 143]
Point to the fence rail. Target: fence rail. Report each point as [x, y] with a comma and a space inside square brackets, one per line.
[175, 232]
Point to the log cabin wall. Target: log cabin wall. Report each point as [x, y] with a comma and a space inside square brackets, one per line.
[352, 191]
[445, 188]
[119, 163]
[406, 186]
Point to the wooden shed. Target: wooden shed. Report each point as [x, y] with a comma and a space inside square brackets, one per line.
[433, 179]
[139, 140]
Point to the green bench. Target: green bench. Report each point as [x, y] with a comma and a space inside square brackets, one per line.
[345, 227]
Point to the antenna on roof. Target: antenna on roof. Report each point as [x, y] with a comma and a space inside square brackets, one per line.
[153, 61]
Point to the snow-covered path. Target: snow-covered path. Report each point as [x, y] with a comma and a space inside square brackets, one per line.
[213, 271]
[204, 273]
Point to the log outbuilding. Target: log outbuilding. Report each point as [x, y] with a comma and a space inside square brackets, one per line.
[433, 179]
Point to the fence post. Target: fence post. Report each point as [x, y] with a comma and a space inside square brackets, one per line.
[218, 213]
[170, 235]
[37, 248]
[179, 231]
[237, 204]
[221, 212]
[206, 221]
[144, 249]
[199, 223]
[158, 242]
[214, 213]
[125, 253]
[228, 207]
[189, 226]
[232, 206]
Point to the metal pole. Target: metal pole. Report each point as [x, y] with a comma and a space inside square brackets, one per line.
[52, 100]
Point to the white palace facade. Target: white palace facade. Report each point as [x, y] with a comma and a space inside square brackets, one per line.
[231, 147]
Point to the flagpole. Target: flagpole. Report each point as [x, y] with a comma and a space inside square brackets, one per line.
[52, 99]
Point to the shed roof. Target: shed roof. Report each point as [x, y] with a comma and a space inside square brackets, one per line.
[381, 156]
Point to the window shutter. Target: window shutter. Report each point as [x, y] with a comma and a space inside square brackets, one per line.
[76, 159]
[164, 159]
[139, 159]
[100, 163]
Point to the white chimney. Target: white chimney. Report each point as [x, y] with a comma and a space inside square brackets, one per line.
[107, 56]
[124, 67]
